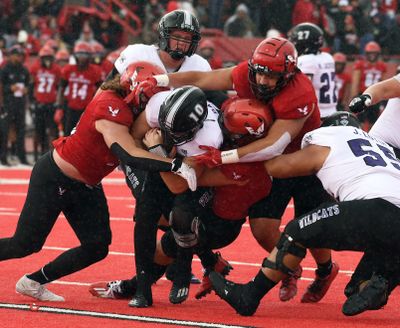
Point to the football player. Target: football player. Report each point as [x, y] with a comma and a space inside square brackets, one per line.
[45, 76]
[368, 191]
[270, 75]
[82, 80]
[342, 80]
[319, 66]
[68, 179]
[179, 36]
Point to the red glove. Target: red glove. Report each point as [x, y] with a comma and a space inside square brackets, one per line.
[211, 158]
[58, 116]
[144, 91]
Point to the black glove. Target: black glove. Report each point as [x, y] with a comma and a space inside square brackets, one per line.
[360, 103]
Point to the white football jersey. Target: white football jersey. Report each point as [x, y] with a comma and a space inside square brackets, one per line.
[321, 69]
[209, 135]
[359, 166]
[149, 53]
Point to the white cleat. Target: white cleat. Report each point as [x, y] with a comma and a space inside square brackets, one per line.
[29, 287]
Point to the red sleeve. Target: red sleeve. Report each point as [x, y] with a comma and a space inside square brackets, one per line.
[113, 109]
[296, 100]
[240, 79]
[359, 64]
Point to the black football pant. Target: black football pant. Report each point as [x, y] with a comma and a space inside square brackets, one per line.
[85, 208]
[153, 199]
[369, 226]
[45, 127]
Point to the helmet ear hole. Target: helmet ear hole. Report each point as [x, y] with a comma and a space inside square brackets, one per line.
[182, 114]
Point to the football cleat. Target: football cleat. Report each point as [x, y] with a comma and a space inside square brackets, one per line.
[372, 297]
[319, 287]
[29, 287]
[111, 289]
[288, 288]
[140, 301]
[238, 296]
[222, 266]
[178, 294]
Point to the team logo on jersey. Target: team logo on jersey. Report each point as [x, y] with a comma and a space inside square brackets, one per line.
[113, 111]
[61, 191]
[236, 176]
[304, 110]
[258, 133]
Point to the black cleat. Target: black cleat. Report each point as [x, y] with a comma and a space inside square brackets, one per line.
[238, 296]
[140, 301]
[178, 293]
[372, 297]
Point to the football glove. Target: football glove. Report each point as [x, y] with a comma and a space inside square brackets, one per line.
[360, 103]
[185, 171]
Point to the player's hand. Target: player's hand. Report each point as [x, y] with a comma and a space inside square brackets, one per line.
[58, 116]
[152, 138]
[360, 103]
[144, 91]
[211, 158]
[185, 171]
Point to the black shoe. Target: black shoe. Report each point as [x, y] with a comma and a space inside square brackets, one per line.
[238, 296]
[5, 162]
[352, 288]
[140, 301]
[372, 297]
[179, 293]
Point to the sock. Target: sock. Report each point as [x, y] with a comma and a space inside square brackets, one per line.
[324, 269]
[208, 259]
[262, 285]
[39, 276]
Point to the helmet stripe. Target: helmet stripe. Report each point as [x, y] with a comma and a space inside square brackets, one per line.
[175, 107]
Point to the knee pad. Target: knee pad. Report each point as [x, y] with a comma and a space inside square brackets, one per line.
[185, 227]
[286, 245]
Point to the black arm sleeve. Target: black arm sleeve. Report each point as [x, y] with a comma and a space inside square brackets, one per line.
[145, 164]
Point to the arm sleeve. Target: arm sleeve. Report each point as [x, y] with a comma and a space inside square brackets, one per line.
[140, 163]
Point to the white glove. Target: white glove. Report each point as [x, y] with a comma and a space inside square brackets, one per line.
[185, 171]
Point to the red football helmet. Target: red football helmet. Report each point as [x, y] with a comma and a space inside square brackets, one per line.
[62, 55]
[273, 56]
[46, 51]
[244, 120]
[372, 46]
[339, 57]
[83, 47]
[52, 44]
[137, 72]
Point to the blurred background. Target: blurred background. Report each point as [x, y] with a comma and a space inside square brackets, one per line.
[34, 30]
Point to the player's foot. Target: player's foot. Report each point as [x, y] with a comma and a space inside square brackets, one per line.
[29, 287]
[372, 297]
[288, 288]
[140, 301]
[222, 266]
[112, 289]
[238, 296]
[319, 287]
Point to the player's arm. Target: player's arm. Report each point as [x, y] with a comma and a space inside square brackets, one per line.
[383, 90]
[303, 162]
[220, 79]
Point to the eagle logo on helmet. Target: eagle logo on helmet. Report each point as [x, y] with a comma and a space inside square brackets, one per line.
[257, 133]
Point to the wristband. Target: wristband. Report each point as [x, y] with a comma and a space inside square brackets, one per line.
[158, 150]
[162, 80]
[229, 156]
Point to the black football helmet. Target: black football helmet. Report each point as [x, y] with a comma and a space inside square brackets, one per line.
[178, 20]
[341, 118]
[308, 38]
[182, 114]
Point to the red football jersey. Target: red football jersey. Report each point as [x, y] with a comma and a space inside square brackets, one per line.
[294, 101]
[45, 82]
[232, 202]
[342, 80]
[371, 73]
[85, 149]
[82, 84]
